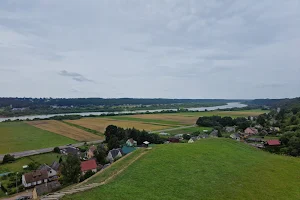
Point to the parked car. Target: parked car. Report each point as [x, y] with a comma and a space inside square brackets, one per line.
[23, 198]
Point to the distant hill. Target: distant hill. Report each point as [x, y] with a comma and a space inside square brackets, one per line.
[207, 169]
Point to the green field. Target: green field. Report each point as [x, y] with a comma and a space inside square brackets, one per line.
[19, 136]
[207, 169]
[190, 130]
[16, 166]
[233, 114]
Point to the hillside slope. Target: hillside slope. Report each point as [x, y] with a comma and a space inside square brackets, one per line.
[207, 169]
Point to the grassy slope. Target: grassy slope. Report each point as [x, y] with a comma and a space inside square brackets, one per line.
[16, 166]
[19, 136]
[207, 169]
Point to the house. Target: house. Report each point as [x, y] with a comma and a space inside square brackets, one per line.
[164, 134]
[229, 129]
[90, 152]
[70, 150]
[203, 136]
[114, 154]
[178, 136]
[146, 143]
[192, 139]
[251, 131]
[274, 129]
[88, 165]
[55, 165]
[131, 143]
[173, 140]
[273, 143]
[45, 188]
[51, 172]
[235, 136]
[258, 126]
[34, 178]
[126, 150]
[214, 133]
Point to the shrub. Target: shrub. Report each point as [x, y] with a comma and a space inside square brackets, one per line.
[56, 150]
[8, 158]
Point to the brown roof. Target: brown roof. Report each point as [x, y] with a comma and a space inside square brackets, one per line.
[35, 176]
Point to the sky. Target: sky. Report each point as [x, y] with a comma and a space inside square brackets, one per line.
[235, 49]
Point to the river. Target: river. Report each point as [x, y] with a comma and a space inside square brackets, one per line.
[30, 117]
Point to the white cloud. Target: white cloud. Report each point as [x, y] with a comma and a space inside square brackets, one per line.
[158, 48]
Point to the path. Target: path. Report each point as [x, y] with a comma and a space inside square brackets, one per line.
[25, 193]
[172, 129]
[81, 188]
[46, 150]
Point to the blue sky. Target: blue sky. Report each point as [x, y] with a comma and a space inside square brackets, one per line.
[153, 48]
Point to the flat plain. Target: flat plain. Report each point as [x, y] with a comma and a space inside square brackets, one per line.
[211, 169]
[65, 130]
[100, 124]
[20, 136]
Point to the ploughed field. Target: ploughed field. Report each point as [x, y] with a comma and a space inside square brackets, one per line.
[207, 169]
[20, 136]
[65, 130]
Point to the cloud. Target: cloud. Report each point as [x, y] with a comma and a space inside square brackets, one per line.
[202, 48]
[75, 76]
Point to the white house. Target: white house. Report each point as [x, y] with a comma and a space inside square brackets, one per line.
[192, 139]
[34, 178]
[114, 154]
[235, 136]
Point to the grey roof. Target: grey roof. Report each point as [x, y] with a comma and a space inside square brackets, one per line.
[45, 167]
[71, 150]
[114, 152]
[214, 133]
[47, 187]
[194, 138]
[203, 136]
[236, 135]
[55, 165]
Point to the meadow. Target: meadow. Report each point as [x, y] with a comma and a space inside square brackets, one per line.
[19, 136]
[16, 166]
[190, 130]
[100, 124]
[65, 130]
[211, 169]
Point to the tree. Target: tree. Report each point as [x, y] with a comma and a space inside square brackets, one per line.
[60, 160]
[8, 158]
[56, 150]
[110, 131]
[186, 136]
[71, 169]
[100, 154]
[113, 143]
[33, 166]
[88, 174]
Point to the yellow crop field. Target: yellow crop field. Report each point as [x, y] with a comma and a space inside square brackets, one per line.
[65, 130]
[100, 124]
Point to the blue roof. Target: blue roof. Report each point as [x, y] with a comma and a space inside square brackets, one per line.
[127, 150]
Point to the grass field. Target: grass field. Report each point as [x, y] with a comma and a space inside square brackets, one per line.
[211, 169]
[65, 130]
[19, 136]
[233, 114]
[16, 166]
[100, 124]
[150, 119]
[190, 130]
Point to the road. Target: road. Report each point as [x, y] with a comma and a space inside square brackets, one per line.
[46, 150]
[172, 129]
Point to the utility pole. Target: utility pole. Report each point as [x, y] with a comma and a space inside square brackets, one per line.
[17, 182]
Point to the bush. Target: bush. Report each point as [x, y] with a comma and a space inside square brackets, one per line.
[8, 158]
[56, 150]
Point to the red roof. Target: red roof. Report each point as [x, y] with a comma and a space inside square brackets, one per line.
[273, 142]
[88, 165]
